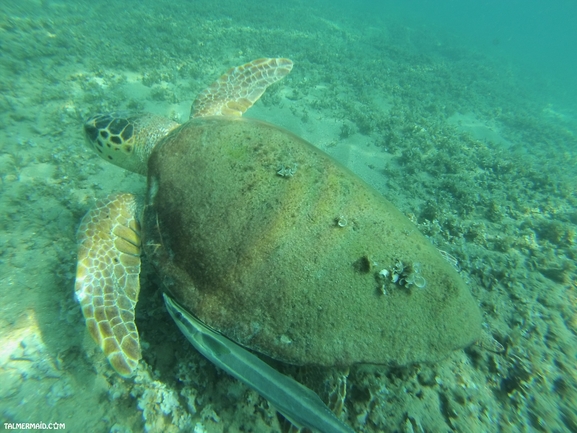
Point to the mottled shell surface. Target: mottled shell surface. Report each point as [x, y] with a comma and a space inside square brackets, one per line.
[279, 247]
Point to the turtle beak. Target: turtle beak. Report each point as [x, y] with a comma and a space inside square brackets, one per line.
[90, 130]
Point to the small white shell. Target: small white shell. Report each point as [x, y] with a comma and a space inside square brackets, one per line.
[384, 273]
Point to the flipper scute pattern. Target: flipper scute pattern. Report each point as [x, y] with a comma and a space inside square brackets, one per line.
[107, 278]
[239, 88]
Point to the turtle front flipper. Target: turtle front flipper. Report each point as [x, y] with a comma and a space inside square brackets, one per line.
[239, 88]
[107, 278]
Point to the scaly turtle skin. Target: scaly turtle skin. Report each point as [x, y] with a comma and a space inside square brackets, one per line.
[265, 239]
[107, 278]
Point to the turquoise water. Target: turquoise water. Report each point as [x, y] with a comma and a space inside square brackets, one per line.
[463, 117]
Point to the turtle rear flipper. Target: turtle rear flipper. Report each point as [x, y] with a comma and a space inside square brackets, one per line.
[239, 88]
[107, 278]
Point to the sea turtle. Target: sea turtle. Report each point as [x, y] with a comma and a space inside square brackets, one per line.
[263, 238]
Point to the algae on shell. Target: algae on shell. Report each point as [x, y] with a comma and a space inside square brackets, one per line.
[259, 257]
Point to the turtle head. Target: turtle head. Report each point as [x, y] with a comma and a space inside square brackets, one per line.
[126, 140]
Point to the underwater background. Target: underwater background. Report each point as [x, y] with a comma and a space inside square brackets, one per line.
[463, 114]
